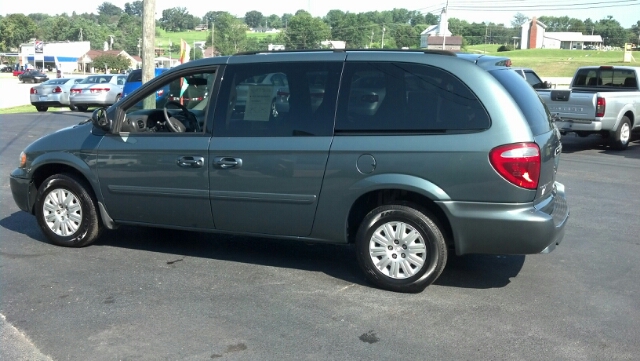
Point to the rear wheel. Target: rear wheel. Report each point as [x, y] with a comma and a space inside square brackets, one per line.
[66, 212]
[41, 108]
[583, 134]
[82, 108]
[73, 108]
[620, 137]
[401, 248]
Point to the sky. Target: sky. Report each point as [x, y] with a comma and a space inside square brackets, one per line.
[626, 12]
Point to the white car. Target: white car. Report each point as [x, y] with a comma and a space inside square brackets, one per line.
[97, 90]
[53, 93]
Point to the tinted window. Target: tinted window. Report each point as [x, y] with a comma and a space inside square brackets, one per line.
[135, 75]
[97, 79]
[56, 81]
[277, 100]
[533, 79]
[406, 97]
[532, 107]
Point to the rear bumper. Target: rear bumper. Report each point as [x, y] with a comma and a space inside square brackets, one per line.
[490, 228]
[569, 125]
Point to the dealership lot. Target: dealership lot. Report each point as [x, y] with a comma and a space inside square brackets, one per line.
[152, 294]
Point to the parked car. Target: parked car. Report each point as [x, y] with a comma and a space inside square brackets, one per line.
[53, 93]
[532, 78]
[33, 76]
[97, 90]
[6, 69]
[601, 100]
[457, 158]
[134, 81]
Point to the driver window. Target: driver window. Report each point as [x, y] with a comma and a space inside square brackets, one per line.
[178, 105]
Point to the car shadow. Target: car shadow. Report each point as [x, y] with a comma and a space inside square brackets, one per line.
[337, 261]
[571, 143]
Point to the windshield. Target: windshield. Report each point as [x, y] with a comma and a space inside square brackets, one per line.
[97, 79]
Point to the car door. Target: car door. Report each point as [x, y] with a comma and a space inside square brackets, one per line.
[267, 167]
[151, 175]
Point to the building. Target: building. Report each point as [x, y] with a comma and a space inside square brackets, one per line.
[61, 55]
[439, 36]
[535, 36]
[85, 62]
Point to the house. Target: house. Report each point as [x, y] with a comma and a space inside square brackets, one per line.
[439, 36]
[85, 62]
[534, 35]
[334, 44]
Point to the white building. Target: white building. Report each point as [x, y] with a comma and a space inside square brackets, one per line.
[63, 55]
[534, 35]
[441, 29]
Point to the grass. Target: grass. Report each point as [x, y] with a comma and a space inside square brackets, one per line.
[555, 62]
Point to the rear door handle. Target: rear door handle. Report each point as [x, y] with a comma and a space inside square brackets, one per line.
[227, 162]
[191, 162]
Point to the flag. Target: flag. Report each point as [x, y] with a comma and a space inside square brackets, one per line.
[185, 49]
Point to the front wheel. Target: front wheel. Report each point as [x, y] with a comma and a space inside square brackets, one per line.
[400, 248]
[620, 138]
[66, 212]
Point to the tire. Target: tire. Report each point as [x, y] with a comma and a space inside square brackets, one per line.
[582, 134]
[117, 98]
[63, 197]
[399, 274]
[42, 108]
[73, 108]
[620, 138]
[82, 108]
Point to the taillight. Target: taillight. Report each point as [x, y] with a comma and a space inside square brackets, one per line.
[57, 90]
[76, 91]
[282, 93]
[33, 91]
[518, 163]
[160, 92]
[369, 98]
[601, 105]
[99, 90]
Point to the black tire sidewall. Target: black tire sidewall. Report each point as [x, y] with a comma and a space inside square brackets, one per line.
[431, 234]
[89, 227]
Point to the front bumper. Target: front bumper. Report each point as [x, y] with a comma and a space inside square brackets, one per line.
[499, 228]
[23, 190]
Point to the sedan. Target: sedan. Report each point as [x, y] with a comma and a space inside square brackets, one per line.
[53, 93]
[97, 90]
[33, 76]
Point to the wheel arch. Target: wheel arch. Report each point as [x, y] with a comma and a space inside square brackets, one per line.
[395, 195]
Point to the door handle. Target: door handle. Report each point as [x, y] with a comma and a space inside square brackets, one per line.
[227, 162]
[191, 162]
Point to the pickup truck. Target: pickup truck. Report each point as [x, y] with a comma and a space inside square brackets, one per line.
[601, 99]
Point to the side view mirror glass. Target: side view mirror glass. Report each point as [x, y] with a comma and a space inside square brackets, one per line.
[100, 120]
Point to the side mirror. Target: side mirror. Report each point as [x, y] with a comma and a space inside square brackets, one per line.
[100, 120]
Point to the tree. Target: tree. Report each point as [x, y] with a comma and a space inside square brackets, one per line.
[274, 21]
[431, 19]
[134, 9]
[518, 20]
[305, 32]
[108, 9]
[230, 33]
[348, 27]
[112, 62]
[253, 18]
[195, 53]
[16, 29]
[178, 19]
[405, 36]
[613, 34]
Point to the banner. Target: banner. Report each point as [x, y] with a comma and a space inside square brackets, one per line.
[39, 47]
[185, 50]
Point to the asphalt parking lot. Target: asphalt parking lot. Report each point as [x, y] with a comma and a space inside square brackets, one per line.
[153, 294]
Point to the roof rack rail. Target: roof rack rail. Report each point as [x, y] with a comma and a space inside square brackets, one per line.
[425, 51]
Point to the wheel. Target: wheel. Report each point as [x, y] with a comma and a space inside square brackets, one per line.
[583, 134]
[82, 108]
[42, 108]
[620, 138]
[274, 110]
[66, 212]
[400, 248]
[73, 108]
[118, 98]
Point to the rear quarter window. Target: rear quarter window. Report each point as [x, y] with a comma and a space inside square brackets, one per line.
[534, 110]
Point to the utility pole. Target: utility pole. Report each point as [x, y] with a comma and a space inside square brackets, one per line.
[444, 31]
[148, 47]
[213, 37]
[382, 43]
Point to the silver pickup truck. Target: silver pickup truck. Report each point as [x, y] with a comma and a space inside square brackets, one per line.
[601, 99]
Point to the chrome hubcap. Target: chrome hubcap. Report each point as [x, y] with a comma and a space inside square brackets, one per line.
[625, 133]
[62, 212]
[397, 250]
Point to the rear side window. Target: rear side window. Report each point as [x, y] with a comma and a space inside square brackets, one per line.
[403, 97]
[605, 77]
[135, 75]
[534, 110]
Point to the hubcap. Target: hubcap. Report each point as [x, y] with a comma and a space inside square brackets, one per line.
[625, 133]
[62, 212]
[398, 250]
